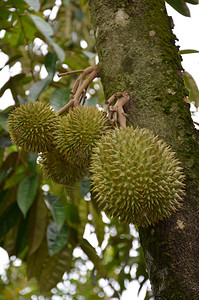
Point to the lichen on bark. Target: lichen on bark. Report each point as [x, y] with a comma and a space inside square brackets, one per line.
[137, 54]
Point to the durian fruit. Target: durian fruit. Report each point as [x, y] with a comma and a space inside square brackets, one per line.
[136, 177]
[78, 132]
[32, 125]
[59, 170]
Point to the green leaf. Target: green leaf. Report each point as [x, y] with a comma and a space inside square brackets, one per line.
[3, 196]
[3, 120]
[59, 51]
[192, 1]
[56, 240]
[3, 175]
[16, 177]
[26, 192]
[71, 213]
[5, 142]
[85, 186]
[32, 162]
[37, 223]
[42, 26]
[83, 216]
[50, 64]
[22, 237]
[188, 51]
[48, 269]
[9, 218]
[35, 4]
[57, 209]
[37, 88]
[180, 6]
[59, 98]
[192, 88]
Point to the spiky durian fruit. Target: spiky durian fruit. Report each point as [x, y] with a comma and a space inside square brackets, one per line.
[78, 132]
[136, 177]
[58, 169]
[31, 126]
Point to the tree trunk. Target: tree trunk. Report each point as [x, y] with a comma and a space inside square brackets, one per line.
[137, 54]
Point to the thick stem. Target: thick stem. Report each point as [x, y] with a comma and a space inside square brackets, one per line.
[137, 34]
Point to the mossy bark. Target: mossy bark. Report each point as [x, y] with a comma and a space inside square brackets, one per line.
[137, 54]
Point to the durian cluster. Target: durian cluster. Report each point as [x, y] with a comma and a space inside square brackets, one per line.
[135, 176]
[65, 143]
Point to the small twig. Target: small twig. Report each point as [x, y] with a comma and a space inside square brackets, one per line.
[116, 112]
[70, 72]
[78, 93]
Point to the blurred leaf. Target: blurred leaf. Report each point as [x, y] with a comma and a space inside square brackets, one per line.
[37, 88]
[3, 196]
[37, 223]
[192, 88]
[83, 216]
[3, 175]
[26, 192]
[59, 98]
[66, 2]
[192, 1]
[5, 142]
[3, 120]
[85, 186]
[188, 51]
[71, 213]
[35, 4]
[53, 269]
[32, 162]
[56, 239]
[180, 6]
[57, 209]
[50, 64]
[9, 218]
[37, 260]
[14, 84]
[59, 51]
[16, 177]
[42, 25]
[22, 237]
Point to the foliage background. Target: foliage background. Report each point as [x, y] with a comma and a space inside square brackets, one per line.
[45, 224]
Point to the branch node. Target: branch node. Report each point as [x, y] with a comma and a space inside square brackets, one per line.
[116, 112]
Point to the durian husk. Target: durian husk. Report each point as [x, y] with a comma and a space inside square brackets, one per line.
[32, 125]
[136, 177]
[78, 133]
[59, 170]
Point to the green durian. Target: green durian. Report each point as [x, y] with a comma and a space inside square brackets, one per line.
[59, 170]
[32, 125]
[78, 132]
[136, 177]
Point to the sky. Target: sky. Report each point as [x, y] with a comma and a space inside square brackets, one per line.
[186, 30]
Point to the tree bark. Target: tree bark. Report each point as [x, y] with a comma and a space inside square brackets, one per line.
[137, 54]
